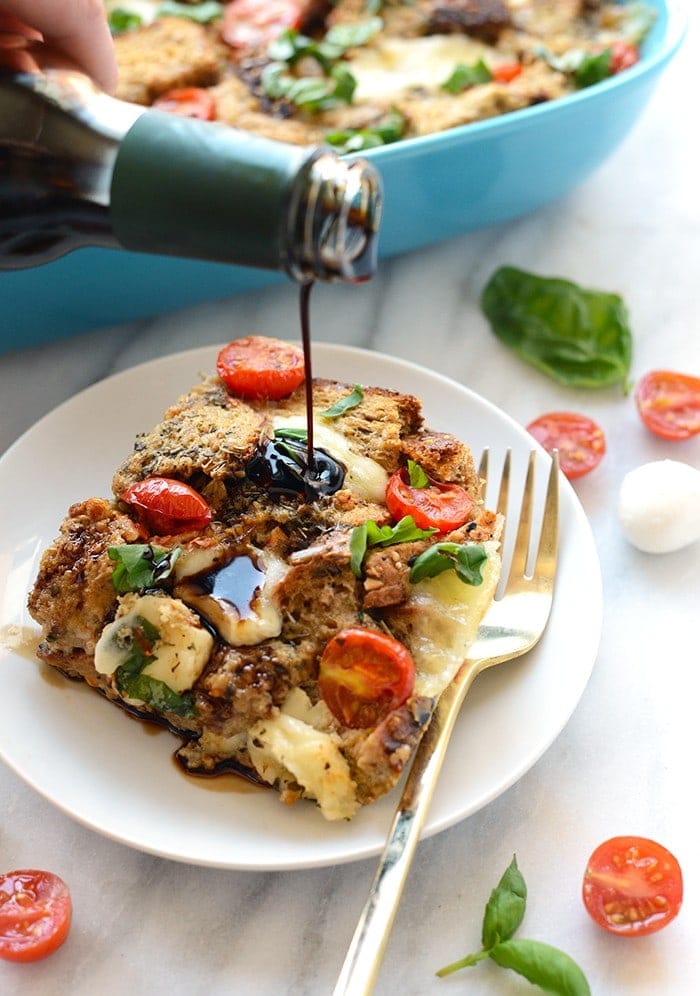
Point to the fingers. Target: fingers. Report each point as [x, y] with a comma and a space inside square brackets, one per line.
[77, 28]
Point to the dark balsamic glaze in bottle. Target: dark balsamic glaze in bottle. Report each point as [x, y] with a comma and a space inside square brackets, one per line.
[288, 467]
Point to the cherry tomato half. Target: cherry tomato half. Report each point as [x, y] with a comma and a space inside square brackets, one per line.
[35, 914]
[669, 404]
[364, 675]
[506, 72]
[436, 506]
[632, 886]
[188, 102]
[165, 506]
[580, 441]
[256, 367]
[623, 55]
[254, 23]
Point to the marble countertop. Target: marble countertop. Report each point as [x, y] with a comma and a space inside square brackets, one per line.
[626, 760]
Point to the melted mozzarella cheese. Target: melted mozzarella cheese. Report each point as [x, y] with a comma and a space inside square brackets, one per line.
[181, 650]
[291, 747]
[239, 625]
[364, 477]
[447, 615]
[392, 66]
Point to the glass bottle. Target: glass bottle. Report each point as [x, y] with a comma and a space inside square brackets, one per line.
[79, 168]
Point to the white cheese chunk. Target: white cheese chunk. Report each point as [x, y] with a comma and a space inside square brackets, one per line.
[255, 615]
[181, 650]
[659, 506]
[289, 748]
[447, 614]
[364, 477]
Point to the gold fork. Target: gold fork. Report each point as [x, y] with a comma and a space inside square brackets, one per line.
[512, 625]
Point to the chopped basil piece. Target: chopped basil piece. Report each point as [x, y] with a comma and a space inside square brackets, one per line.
[138, 643]
[465, 559]
[593, 68]
[156, 694]
[344, 404]
[389, 129]
[341, 37]
[133, 684]
[202, 13]
[299, 435]
[464, 76]
[140, 565]
[543, 965]
[417, 477]
[370, 534]
[121, 20]
[580, 338]
[315, 93]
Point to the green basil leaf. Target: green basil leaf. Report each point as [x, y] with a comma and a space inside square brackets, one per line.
[120, 20]
[300, 435]
[593, 68]
[289, 46]
[389, 129]
[506, 907]
[579, 337]
[140, 565]
[138, 646]
[406, 531]
[465, 559]
[344, 404]
[202, 13]
[417, 477]
[464, 76]
[544, 966]
[345, 86]
[351, 35]
[370, 534]
[468, 563]
[358, 548]
[157, 695]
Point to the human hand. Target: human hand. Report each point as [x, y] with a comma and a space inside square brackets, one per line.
[37, 33]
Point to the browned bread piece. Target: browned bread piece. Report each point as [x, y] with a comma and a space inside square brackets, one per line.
[172, 52]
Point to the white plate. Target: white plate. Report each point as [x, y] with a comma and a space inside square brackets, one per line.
[111, 774]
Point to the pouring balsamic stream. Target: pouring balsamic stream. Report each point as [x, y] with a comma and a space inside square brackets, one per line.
[293, 466]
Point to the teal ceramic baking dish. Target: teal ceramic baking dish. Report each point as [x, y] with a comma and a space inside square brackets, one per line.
[435, 187]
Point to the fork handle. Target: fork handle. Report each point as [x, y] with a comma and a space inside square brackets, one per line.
[364, 956]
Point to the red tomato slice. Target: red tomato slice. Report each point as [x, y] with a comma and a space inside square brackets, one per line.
[254, 23]
[580, 441]
[669, 404]
[189, 102]
[437, 506]
[623, 55]
[364, 675]
[632, 886]
[35, 914]
[165, 506]
[506, 72]
[259, 368]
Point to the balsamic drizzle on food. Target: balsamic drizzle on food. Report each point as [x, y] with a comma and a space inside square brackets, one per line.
[290, 465]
